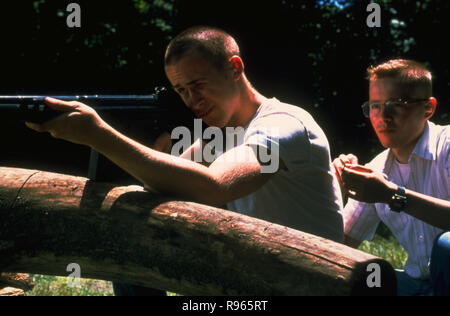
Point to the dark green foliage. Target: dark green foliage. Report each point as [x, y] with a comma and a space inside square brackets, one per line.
[299, 51]
[311, 55]
[118, 40]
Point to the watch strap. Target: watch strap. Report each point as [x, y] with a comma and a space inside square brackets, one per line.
[398, 201]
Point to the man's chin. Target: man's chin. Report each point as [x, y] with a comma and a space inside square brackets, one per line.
[389, 143]
[213, 122]
[387, 140]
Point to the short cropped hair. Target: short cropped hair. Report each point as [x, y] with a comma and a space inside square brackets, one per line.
[212, 43]
[410, 74]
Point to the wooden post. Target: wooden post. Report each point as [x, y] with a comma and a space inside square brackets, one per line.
[125, 234]
[14, 284]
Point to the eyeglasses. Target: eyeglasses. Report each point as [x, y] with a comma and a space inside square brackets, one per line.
[393, 107]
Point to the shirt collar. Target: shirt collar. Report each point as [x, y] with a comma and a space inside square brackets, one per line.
[425, 147]
[260, 109]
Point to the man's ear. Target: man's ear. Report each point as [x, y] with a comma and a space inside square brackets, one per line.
[237, 65]
[430, 107]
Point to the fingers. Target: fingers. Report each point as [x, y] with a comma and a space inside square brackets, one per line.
[60, 105]
[338, 167]
[55, 104]
[349, 177]
[352, 172]
[341, 163]
[358, 168]
[353, 159]
[357, 180]
[338, 164]
[35, 127]
[76, 122]
[349, 159]
[354, 195]
[51, 126]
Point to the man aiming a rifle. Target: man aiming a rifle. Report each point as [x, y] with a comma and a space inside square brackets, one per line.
[205, 68]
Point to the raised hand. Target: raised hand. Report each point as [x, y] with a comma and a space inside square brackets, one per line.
[366, 185]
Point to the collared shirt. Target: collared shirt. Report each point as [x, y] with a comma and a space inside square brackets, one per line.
[429, 173]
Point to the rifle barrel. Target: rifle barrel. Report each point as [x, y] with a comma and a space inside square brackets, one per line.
[34, 109]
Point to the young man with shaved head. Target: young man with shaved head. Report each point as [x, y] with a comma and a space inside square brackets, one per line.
[205, 68]
[408, 185]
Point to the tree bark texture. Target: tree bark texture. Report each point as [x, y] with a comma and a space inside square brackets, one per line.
[128, 235]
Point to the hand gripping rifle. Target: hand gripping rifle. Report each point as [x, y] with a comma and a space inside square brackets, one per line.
[32, 108]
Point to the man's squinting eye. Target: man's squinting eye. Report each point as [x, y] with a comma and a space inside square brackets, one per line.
[193, 86]
[199, 85]
[180, 90]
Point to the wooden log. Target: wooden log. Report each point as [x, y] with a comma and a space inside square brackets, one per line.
[126, 234]
[16, 280]
[10, 291]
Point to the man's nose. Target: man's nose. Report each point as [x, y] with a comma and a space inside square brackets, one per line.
[386, 113]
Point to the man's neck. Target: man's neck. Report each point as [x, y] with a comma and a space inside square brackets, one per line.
[250, 101]
[402, 154]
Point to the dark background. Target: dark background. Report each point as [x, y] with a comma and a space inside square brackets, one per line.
[309, 53]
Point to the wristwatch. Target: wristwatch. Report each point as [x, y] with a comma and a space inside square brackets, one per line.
[398, 200]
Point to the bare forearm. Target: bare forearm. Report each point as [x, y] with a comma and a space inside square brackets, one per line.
[165, 173]
[224, 180]
[372, 187]
[433, 211]
[195, 150]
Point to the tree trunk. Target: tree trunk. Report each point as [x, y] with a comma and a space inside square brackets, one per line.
[128, 235]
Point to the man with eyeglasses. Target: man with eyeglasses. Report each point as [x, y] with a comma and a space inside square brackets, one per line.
[407, 186]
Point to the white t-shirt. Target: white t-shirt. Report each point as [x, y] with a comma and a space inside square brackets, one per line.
[306, 196]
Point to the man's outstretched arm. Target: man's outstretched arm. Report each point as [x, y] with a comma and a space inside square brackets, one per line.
[224, 180]
[366, 185]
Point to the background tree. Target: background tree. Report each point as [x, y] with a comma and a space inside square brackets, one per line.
[310, 53]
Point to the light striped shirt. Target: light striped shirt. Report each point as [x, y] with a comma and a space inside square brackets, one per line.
[427, 172]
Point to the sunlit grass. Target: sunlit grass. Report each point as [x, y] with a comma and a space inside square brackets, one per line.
[384, 245]
[58, 286]
[46, 285]
[388, 249]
